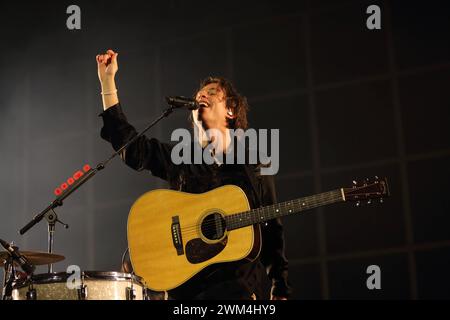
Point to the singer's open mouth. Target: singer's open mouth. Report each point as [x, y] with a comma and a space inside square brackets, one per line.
[203, 104]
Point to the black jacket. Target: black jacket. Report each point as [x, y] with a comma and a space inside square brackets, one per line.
[228, 280]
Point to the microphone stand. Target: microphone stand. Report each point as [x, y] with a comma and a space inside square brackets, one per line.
[51, 217]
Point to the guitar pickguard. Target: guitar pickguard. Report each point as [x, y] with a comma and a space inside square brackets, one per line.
[198, 251]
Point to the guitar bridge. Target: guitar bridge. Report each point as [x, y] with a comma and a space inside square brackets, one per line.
[176, 235]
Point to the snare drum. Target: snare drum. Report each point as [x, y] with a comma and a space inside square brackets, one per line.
[94, 285]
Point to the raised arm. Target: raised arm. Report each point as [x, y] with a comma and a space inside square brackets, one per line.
[107, 68]
[144, 153]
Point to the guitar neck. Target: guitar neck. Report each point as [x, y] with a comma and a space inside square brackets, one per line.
[244, 219]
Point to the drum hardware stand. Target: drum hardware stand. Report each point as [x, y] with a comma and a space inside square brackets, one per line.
[82, 290]
[130, 292]
[8, 279]
[31, 293]
[52, 219]
[10, 275]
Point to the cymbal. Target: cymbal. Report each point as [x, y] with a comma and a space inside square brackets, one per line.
[34, 257]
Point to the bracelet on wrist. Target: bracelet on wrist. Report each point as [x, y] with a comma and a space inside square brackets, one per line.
[108, 92]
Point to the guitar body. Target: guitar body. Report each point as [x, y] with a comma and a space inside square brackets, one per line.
[173, 235]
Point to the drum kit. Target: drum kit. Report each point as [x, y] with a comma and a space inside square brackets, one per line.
[20, 282]
[91, 285]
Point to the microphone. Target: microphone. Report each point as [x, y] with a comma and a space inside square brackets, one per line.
[18, 257]
[183, 102]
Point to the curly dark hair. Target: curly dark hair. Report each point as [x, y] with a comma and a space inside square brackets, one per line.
[235, 101]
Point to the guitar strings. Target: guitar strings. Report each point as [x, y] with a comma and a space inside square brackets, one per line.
[311, 202]
[284, 205]
[212, 225]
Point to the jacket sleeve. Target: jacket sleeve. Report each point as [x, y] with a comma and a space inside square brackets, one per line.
[144, 153]
[273, 251]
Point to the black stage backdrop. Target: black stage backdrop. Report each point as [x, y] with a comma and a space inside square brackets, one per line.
[349, 102]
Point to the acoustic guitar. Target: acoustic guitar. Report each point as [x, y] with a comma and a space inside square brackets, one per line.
[173, 235]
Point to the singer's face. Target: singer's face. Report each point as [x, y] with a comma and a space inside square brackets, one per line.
[213, 110]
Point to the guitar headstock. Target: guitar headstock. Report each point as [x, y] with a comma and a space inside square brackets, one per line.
[367, 190]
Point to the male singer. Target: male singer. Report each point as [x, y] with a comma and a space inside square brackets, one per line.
[221, 108]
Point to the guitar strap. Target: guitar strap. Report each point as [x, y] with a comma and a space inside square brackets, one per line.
[251, 175]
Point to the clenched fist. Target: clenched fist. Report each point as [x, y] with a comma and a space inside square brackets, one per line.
[107, 66]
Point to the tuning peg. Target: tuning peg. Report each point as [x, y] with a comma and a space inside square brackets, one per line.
[358, 203]
[369, 201]
[381, 200]
[354, 183]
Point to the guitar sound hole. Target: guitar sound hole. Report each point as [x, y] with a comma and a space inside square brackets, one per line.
[213, 226]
